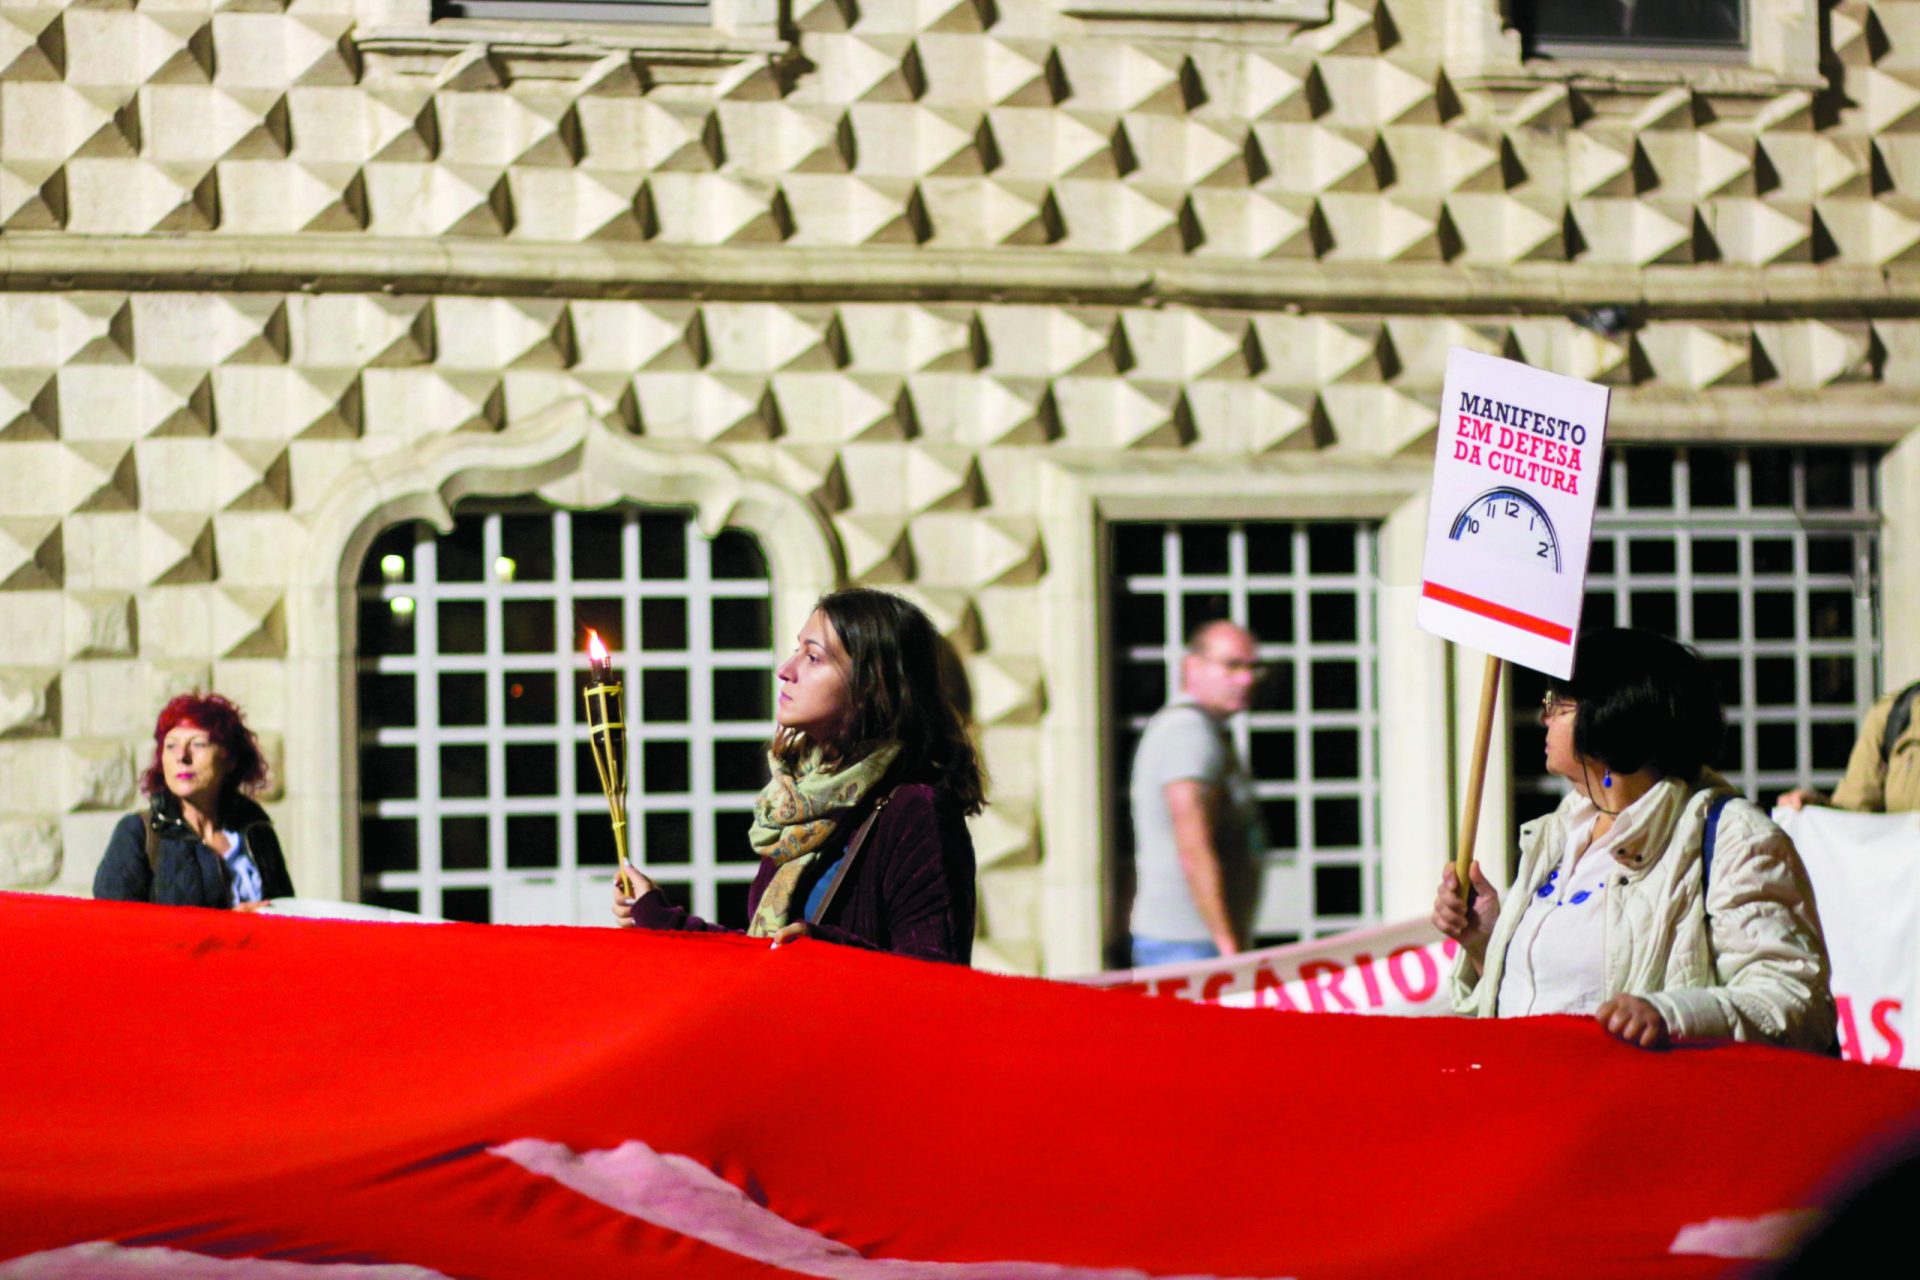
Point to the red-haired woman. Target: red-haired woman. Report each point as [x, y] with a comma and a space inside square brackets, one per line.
[202, 842]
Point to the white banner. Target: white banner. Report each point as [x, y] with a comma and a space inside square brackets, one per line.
[1866, 880]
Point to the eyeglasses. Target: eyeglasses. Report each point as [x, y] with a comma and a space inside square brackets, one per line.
[1552, 704]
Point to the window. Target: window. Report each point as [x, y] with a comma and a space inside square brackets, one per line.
[1644, 28]
[688, 12]
[1766, 560]
[479, 799]
[1307, 592]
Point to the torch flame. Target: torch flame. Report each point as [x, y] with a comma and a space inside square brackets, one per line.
[596, 650]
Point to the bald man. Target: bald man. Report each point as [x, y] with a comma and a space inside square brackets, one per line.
[1197, 834]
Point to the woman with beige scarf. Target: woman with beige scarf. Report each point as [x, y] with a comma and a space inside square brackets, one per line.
[861, 830]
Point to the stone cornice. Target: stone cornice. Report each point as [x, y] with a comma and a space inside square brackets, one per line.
[357, 263]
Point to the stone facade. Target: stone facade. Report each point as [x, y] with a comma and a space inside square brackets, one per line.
[918, 291]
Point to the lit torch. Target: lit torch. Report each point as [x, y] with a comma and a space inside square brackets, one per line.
[607, 734]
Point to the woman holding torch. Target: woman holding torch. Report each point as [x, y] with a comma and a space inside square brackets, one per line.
[1653, 899]
[861, 830]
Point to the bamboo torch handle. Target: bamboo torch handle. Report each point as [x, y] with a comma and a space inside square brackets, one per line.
[1477, 774]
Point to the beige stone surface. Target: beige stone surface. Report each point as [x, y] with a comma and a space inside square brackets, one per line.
[920, 295]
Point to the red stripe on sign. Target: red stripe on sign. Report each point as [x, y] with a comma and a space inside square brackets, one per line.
[1498, 612]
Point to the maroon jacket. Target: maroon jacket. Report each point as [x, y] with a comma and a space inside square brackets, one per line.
[909, 891]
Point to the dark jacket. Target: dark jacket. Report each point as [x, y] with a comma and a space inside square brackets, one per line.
[909, 891]
[190, 874]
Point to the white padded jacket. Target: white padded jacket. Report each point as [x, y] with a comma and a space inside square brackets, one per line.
[1758, 971]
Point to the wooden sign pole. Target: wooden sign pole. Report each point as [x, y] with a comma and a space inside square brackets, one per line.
[1477, 776]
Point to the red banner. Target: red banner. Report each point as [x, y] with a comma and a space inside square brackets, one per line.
[211, 1094]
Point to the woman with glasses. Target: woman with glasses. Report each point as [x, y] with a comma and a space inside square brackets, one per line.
[1652, 899]
[202, 842]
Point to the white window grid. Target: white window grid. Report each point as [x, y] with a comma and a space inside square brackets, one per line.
[1801, 546]
[1334, 562]
[570, 891]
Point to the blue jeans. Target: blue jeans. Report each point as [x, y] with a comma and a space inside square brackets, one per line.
[1151, 951]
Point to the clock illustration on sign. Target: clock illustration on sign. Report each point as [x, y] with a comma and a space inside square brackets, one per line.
[1508, 523]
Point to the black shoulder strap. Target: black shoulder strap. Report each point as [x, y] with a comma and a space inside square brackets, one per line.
[153, 843]
[1714, 807]
[1897, 720]
[846, 864]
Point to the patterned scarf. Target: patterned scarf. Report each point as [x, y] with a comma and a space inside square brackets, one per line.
[795, 817]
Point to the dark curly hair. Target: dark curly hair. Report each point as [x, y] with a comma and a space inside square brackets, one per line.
[904, 686]
[1644, 699]
[246, 767]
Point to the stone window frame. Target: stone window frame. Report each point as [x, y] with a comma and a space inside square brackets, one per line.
[1484, 52]
[1293, 13]
[564, 456]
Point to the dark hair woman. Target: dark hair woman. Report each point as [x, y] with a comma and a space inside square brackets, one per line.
[202, 841]
[1623, 912]
[861, 830]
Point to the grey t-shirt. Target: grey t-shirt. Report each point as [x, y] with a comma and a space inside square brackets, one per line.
[1183, 742]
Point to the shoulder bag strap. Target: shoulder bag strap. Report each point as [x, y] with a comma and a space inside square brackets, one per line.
[1714, 807]
[153, 843]
[846, 863]
[1899, 716]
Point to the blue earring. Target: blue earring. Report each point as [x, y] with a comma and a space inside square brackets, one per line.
[1606, 779]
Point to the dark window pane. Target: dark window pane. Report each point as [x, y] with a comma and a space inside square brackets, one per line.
[1203, 548]
[1330, 549]
[383, 630]
[386, 702]
[533, 840]
[742, 624]
[1829, 479]
[1773, 615]
[463, 626]
[1603, 498]
[1716, 555]
[1655, 611]
[1336, 753]
[1276, 691]
[1270, 548]
[1771, 472]
[463, 698]
[463, 772]
[1270, 617]
[1336, 686]
[664, 767]
[586, 774]
[527, 626]
[397, 543]
[1140, 619]
[1732, 752]
[1143, 688]
[1832, 744]
[603, 618]
[739, 766]
[667, 837]
[458, 553]
[730, 905]
[389, 844]
[736, 555]
[1726, 678]
[663, 547]
[1830, 615]
[663, 624]
[1333, 618]
[1336, 822]
[528, 542]
[470, 905]
[1679, 22]
[1528, 805]
[1650, 555]
[530, 698]
[393, 899]
[1775, 747]
[1600, 556]
[1716, 615]
[1831, 680]
[742, 695]
[1710, 477]
[1830, 555]
[1281, 818]
[388, 773]
[1649, 478]
[596, 547]
[1773, 684]
[1336, 891]
[1198, 610]
[1596, 611]
[463, 844]
[1773, 555]
[533, 769]
[592, 835]
[663, 695]
[1274, 755]
[1138, 549]
[731, 842]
